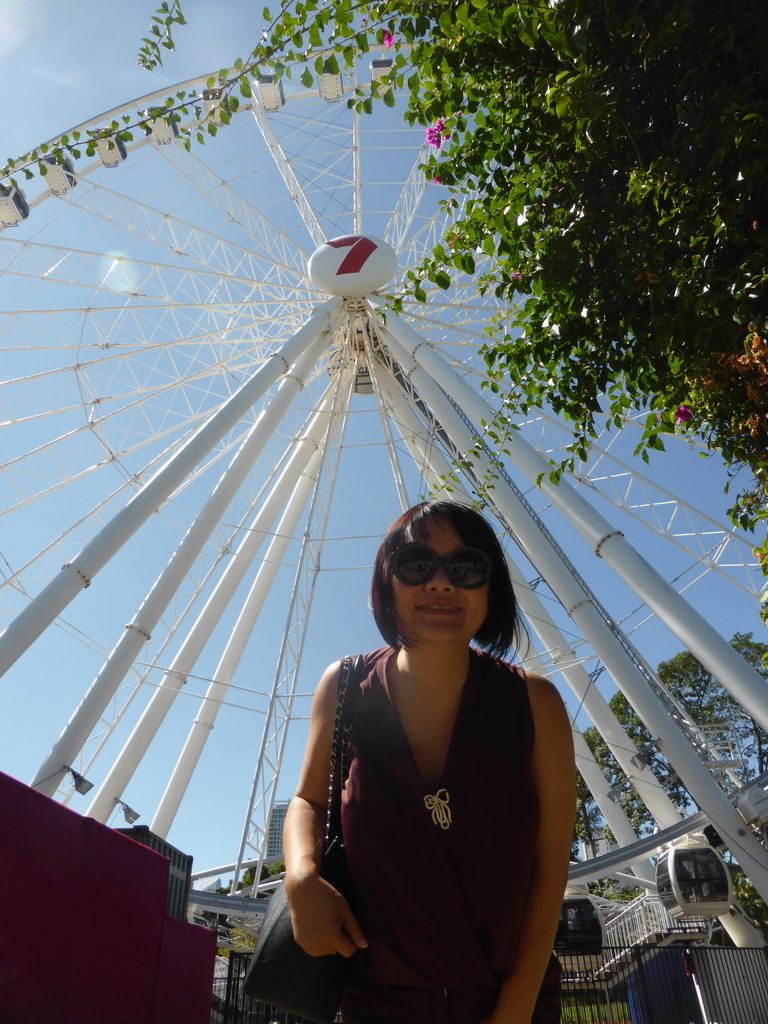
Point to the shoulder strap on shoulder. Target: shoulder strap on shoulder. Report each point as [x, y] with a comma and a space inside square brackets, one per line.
[350, 675]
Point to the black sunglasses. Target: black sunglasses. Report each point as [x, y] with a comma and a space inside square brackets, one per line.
[465, 567]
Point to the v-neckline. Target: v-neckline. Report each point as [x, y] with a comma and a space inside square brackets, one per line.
[424, 785]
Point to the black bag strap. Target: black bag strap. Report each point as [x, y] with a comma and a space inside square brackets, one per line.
[350, 674]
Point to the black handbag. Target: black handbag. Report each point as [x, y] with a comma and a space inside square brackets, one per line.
[280, 972]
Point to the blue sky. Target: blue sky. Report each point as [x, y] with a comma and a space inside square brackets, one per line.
[61, 65]
[64, 63]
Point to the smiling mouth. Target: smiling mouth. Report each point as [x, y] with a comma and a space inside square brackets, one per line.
[439, 608]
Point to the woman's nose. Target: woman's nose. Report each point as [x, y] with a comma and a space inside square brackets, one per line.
[441, 580]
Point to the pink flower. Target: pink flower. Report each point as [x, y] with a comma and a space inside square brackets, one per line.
[388, 39]
[438, 181]
[437, 132]
[683, 414]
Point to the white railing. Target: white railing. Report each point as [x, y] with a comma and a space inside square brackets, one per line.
[645, 918]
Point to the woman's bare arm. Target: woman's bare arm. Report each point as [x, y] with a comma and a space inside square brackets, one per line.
[555, 779]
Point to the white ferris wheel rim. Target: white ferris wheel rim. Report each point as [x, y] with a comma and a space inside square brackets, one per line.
[169, 316]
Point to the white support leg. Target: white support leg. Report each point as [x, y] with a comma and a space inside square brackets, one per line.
[233, 651]
[421, 445]
[78, 574]
[394, 461]
[175, 676]
[82, 722]
[272, 747]
[619, 824]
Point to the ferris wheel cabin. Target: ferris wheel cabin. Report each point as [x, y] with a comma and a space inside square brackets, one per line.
[581, 928]
[693, 880]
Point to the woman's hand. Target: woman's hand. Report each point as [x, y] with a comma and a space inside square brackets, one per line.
[322, 920]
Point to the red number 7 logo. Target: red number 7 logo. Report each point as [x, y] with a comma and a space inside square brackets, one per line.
[361, 249]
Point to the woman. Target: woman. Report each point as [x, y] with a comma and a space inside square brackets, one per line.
[458, 810]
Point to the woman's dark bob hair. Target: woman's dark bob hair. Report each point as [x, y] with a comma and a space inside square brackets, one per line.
[502, 626]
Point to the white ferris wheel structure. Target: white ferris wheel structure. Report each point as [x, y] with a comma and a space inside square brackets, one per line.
[202, 445]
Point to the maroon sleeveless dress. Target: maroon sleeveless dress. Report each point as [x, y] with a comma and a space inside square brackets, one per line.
[441, 907]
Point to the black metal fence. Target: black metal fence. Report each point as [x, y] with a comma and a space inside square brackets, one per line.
[232, 1006]
[673, 984]
[642, 985]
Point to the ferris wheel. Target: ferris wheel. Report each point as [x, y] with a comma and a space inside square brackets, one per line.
[212, 414]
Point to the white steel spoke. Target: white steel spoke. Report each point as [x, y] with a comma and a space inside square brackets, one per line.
[625, 486]
[292, 183]
[276, 245]
[183, 285]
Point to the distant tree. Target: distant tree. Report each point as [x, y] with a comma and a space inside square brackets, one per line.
[237, 939]
[589, 826]
[589, 829]
[270, 870]
[639, 816]
[587, 818]
[709, 703]
[248, 878]
[751, 902]
[612, 889]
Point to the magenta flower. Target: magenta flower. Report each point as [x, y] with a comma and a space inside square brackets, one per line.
[388, 39]
[438, 181]
[683, 414]
[437, 132]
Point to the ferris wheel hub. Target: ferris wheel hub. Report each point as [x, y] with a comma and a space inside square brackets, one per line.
[352, 265]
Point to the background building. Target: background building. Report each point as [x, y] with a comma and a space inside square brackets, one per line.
[275, 833]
